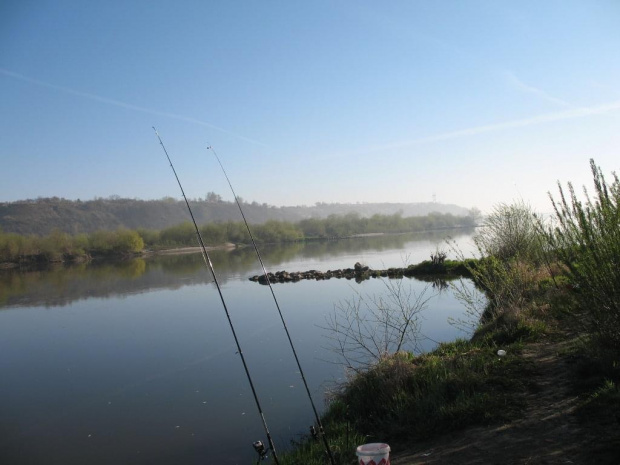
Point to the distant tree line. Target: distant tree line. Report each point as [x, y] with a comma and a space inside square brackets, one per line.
[61, 246]
[43, 215]
[334, 226]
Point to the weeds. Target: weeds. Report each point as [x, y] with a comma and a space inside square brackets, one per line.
[587, 241]
[342, 438]
[416, 397]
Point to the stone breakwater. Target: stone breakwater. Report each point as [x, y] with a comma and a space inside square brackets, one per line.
[359, 272]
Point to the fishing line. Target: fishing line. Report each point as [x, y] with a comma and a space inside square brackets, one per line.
[301, 372]
[207, 260]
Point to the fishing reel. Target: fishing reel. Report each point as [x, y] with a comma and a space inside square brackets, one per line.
[260, 449]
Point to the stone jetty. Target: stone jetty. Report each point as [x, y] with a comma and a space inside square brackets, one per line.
[359, 273]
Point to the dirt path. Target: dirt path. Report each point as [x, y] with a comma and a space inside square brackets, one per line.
[548, 433]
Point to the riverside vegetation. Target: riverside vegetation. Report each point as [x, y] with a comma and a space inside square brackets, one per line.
[61, 246]
[547, 295]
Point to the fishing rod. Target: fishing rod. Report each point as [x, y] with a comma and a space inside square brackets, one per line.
[314, 433]
[258, 446]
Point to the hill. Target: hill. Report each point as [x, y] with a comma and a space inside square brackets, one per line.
[43, 215]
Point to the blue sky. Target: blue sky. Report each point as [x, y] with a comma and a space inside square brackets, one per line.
[475, 102]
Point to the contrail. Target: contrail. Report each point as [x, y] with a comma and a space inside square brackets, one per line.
[522, 86]
[581, 112]
[125, 105]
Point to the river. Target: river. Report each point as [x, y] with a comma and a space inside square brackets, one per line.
[134, 362]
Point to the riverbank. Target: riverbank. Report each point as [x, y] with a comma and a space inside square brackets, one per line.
[559, 423]
[528, 387]
[36, 261]
[186, 250]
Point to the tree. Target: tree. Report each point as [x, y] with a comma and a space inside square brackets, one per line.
[212, 197]
[474, 215]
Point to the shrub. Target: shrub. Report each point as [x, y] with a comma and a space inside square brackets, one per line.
[510, 232]
[121, 241]
[511, 248]
[587, 240]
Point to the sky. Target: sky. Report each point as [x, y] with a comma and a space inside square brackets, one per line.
[473, 103]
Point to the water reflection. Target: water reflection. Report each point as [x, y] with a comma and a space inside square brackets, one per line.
[62, 285]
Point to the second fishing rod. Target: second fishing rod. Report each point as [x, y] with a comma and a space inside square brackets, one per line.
[321, 431]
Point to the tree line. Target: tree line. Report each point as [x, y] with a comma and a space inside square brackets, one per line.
[61, 246]
[41, 216]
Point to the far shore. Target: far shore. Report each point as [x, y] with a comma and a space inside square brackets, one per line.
[187, 250]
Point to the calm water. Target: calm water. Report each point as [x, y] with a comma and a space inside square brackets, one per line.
[134, 362]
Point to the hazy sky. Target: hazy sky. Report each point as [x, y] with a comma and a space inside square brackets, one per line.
[475, 102]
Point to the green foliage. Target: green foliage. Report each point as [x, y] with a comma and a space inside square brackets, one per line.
[342, 437]
[510, 232]
[405, 397]
[237, 233]
[40, 216]
[128, 241]
[504, 288]
[11, 246]
[509, 328]
[447, 267]
[511, 248]
[313, 227]
[276, 231]
[183, 234]
[212, 234]
[60, 245]
[458, 384]
[119, 242]
[149, 236]
[586, 239]
[353, 223]
[57, 246]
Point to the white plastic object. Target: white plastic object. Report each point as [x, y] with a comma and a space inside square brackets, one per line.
[376, 453]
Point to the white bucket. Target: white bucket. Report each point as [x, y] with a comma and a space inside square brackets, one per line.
[376, 453]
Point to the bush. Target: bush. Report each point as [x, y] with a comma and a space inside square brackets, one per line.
[512, 248]
[183, 234]
[10, 246]
[587, 240]
[121, 241]
[510, 232]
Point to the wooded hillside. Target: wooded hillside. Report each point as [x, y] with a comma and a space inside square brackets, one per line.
[43, 215]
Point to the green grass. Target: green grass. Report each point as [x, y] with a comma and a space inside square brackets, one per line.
[343, 440]
[405, 397]
[447, 267]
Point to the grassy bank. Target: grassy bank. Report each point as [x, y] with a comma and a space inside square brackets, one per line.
[407, 400]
